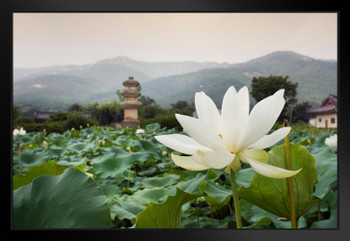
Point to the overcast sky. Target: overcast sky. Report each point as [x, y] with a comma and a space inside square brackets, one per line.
[45, 39]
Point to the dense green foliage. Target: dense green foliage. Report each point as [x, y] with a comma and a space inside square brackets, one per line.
[22, 120]
[165, 117]
[58, 122]
[299, 112]
[85, 169]
[106, 113]
[165, 120]
[76, 107]
[263, 87]
[15, 112]
[77, 121]
[48, 127]
[59, 116]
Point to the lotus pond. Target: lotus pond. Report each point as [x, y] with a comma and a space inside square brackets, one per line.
[107, 178]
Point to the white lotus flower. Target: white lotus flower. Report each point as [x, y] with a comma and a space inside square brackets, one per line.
[140, 131]
[217, 141]
[332, 141]
[20, 132]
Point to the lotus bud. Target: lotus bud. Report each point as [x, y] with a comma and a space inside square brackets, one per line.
[45, 144]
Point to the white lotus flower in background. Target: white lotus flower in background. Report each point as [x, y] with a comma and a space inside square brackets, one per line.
[140, 131]
[20, 132]
[217, 141]
[332, 141]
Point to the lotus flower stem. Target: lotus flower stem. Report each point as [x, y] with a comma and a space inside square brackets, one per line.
[19, 158]
[236, 200]
[128, 184]
[290, 181]
[212, 215]
[198, 223]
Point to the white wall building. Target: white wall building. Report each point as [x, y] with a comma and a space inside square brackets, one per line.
[325, 115]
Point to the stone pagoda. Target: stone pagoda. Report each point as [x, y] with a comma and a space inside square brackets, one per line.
[130, 104]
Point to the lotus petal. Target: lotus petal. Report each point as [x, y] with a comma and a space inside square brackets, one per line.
[270, 171]
[201, 132]
[180, 143]
[207, 111]
[262, 118]
[269, 140]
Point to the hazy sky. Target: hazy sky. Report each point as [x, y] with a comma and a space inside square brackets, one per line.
[45, 39]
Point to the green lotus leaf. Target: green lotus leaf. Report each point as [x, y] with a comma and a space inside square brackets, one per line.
[217, 196]
[327, 170]
[93, 130]
[259, 218]
[31, 157]
[47, 168]
[191, 185]
[57, 140]
[72, 160]
[56, 151]
[166, 214]
[125, 210]
[140, 157]
[163, 181]
[156, 195]
[112, 165]
[147, 146]
[244, 177]
[271, 194]
[26, 139]
[71, 200]
[82, 147]
[319, 143]
[214, 173]
[330, 200]
[116, 150]
[332, 222]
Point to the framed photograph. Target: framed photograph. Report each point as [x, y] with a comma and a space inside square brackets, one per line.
[179, 120]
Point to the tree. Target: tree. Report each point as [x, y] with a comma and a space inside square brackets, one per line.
[16, 112]
[150, 111]
[299, 112]
[106, 113]
[75, 108]
[119, 95]
[266, 86]
[59, 116]
[146, 100]
[180, 105]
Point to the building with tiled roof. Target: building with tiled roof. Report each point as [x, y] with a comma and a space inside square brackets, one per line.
[325, 116]
[41, 116]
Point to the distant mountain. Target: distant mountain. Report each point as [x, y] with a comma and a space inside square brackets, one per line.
[92, 82]
[150, 70]
[57, 87]
[214, 82]
[162, 69]
[316, 78]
